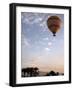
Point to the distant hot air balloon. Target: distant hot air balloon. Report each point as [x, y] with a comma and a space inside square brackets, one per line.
[54, 24]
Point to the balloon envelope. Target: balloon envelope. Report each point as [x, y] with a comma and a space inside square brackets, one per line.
[54, 24]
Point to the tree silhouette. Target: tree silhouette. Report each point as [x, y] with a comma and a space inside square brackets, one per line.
[30, 71]
[51, 73]
[57, 73]
[24, 71]
[36, 71]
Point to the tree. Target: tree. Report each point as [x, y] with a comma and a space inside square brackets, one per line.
[24, 70]
[30, 71]
[57, 73]
[36, 71]
[51, 73]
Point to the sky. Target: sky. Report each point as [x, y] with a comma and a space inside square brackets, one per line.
[39, 48]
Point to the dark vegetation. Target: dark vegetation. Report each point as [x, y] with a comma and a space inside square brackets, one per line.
[30, 71]
[53, 73]
[34, 72]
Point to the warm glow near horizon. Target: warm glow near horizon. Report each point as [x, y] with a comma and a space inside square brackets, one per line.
[39, 48]
[46, 66]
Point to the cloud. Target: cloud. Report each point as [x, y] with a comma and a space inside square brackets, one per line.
[47, 49]
[38, 19]
[42, 24]
[49, 43]
[26, 20]
[46, 38]
[32, 18]
[25, 41]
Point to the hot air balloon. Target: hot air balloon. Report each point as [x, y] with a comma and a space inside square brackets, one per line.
[54, 24]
